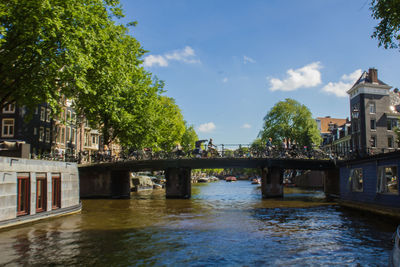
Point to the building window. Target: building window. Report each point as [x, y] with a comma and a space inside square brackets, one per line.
[373, 124]
[373, 141]
[47, 135]
[63, 115]
[8, 128]
[356, 180]
[391, 124]
[63, 135]
[35, 131]
[73, 131]
[390, 141]
[388, 180]
[41, 192]
[23, 194]
[87, 139]
[9, 109]
[68, 129]
[42, 114]
[94, 139]
[58, 135]
[372, 108]
[41, 134]
[69, 117]
[48, 113]
[56, 191]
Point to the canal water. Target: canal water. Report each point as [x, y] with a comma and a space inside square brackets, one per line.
[223, 224]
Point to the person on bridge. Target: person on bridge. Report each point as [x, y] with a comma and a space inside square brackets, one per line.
[197, 148]
[178, 150]
[269, 146]
[212, 148]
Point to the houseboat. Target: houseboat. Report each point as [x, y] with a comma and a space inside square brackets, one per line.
[32, 190]
[372, 184]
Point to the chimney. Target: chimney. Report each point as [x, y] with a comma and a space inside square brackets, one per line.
[373, 75]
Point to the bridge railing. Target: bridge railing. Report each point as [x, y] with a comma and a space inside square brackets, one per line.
[219, 151]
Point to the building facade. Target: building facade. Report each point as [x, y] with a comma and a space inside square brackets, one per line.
[62, 136]
[373, 118]
[327, 127]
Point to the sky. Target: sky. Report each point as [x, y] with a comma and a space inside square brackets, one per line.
[228, 62]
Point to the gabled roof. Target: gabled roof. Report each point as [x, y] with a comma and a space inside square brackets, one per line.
[364, 79]
[326, 121]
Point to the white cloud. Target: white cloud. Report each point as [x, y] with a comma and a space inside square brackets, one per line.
[155, 60]
[346, 82]
[307, 76]
[246, 126]
[248, 60]
[206, 127]
[186, 55]
[225, 80]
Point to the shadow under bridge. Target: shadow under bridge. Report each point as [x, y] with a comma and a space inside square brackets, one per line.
[112, 179]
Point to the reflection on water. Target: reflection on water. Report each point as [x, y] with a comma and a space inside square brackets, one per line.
[224, 224]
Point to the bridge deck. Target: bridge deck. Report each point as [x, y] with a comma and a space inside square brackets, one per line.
[211, 163]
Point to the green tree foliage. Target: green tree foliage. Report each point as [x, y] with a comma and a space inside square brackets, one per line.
[122, 100]
[258, 145]
[170, 125]
[387, 12]
[290, 119]
[56, 49]
[189, 138]
[48, 47]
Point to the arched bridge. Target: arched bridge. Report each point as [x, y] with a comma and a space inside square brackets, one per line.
[112, 179]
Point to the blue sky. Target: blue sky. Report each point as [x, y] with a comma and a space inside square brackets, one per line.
[227, 62]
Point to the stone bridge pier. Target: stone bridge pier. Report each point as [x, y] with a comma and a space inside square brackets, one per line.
[271, 182]
[178, 183]
[104, 184]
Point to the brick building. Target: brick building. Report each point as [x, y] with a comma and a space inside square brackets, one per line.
[58, 136]
[373, 116]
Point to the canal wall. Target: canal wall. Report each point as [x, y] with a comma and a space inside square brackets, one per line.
[35, 189]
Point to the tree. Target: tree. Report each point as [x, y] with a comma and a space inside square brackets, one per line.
[257, 146]
[189, 138]
[290, 119]
[388, 29]
[47, 48]
[169, 124]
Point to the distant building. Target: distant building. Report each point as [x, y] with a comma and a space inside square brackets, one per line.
[326, 125]
[341, 141]
[59, 136]
[373, 115]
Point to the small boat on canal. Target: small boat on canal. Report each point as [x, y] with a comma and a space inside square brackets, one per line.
[255, 181]
[230, 179]
[203, 180]
[394, 258]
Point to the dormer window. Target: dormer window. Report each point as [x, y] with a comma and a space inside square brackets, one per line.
[9, 108]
